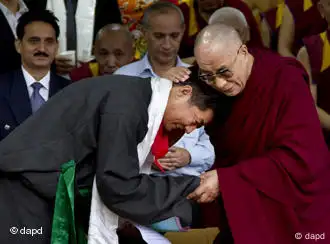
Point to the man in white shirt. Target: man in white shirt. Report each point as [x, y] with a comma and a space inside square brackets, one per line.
[10, 11]
[23, 91]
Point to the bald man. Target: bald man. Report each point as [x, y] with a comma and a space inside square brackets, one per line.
[272, 174]
[113, 49]
[232, 17]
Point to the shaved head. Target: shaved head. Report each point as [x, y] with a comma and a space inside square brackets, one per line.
[234, 18]
[115, 28]
[114, 47]
[218, 38]
[223, 59]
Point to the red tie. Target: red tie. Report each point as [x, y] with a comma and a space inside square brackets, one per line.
[160, 146]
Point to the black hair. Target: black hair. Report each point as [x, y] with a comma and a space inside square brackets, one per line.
[203, 96]
[36, 15]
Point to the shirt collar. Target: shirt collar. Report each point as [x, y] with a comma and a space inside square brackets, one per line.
[22, 8]
[30, 80]
[147, 68]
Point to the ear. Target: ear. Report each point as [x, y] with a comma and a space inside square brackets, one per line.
[183, 28]
[244, 49]
[18, 46]
[184, 91]
[57, 46]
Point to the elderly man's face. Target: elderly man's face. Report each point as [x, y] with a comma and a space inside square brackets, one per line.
[210, 6]
[181, 114]
[38, 46]
[164, 36]
[113, 50]
[226, 72]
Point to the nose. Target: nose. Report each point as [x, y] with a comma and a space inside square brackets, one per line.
[220, 82]
[111, 61]
[190, 128]
[42, 46]
[167, 43]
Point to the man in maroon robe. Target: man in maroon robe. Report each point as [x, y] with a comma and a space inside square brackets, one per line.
[203, 9]
[314, 56]
[114, 48]
[301, 18]
[272, 169]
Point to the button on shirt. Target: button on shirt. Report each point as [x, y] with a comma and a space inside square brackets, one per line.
[13, 18]
[197, 143]
[44, 91]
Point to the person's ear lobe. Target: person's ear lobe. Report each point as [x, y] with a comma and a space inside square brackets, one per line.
[185, 91]
[18, 46]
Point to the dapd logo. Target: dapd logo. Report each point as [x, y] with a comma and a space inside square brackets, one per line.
[25, 231]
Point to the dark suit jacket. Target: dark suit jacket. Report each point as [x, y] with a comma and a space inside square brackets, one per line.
[10, 59]
[102, 119]
[106, 11]
[15, 104]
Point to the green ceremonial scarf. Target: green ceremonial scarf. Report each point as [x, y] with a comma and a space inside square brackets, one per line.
[64, 229]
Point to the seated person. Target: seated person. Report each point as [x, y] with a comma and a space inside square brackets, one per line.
[101, 129]
[113, 48]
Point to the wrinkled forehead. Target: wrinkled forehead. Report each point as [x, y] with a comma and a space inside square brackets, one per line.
[211, 57]
[114, 39]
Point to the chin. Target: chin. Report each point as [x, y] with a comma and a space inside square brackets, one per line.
[42, 64]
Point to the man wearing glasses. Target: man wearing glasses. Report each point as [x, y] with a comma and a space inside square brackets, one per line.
[272, 174]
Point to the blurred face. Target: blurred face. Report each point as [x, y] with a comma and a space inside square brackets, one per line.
[113, 50]
[209, 6]
[164, 36]
[324, 8]
[227, 73]
[181, 114]
[38, 46]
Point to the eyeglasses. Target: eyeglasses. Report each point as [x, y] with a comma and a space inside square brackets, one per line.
[223, 72]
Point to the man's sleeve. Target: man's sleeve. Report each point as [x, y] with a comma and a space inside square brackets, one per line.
[141, 198]
[198, 144]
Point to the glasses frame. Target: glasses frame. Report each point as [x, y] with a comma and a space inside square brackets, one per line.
[210, 78]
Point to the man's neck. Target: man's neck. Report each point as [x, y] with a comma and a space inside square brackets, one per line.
[160, 68]
[12, 5]
[37, 74]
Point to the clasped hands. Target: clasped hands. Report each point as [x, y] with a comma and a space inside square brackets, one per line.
[208, 190]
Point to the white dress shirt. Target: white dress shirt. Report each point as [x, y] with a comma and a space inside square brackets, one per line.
[44, 91]
[11, 17]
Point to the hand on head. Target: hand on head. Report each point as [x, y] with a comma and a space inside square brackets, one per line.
[177, 74]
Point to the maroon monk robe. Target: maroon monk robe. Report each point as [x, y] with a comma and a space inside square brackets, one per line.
[314, 46]
[187, 44]
[307, 23]
[272, 162]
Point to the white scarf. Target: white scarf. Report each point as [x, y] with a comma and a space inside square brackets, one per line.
[103, 222]
[84, 25]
